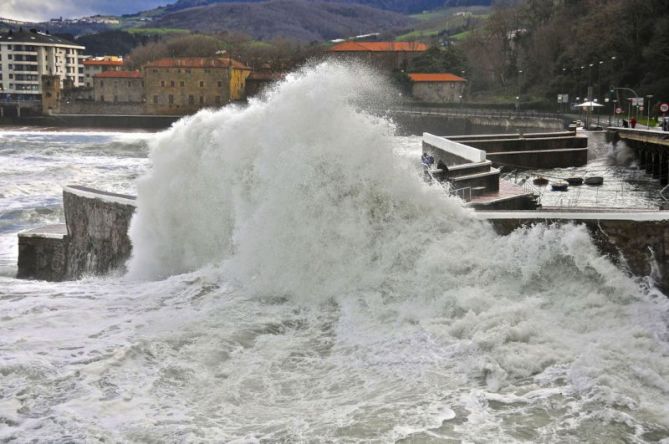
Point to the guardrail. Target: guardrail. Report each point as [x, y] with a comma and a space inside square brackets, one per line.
[478, 112]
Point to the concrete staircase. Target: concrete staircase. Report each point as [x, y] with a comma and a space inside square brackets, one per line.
[479, 177]
[472, 177]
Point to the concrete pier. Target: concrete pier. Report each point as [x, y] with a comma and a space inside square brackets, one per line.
[651, 148]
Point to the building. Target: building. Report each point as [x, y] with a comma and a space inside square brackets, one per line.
[119, 87]
[390, 56]
[51, 94]
[437, 87]
[26, 56]
[184, 85]
[259, 81]
[96, 65]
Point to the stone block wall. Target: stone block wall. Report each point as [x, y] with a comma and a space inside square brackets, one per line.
[97, 108]
[97, 228]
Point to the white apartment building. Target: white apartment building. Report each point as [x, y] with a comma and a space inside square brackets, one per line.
[27, 55]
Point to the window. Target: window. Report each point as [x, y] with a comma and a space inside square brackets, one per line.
[218, 100]
[181, 84]
[171, 99]
[220, 83]
[102, 98]
[201, 100]
[155, 99]
[191, 100]
[9, 56]
[129, 83]
[115, 98]
[102, 83]
[162, 84]
[155, 70]
[201, 84]
[172, 83]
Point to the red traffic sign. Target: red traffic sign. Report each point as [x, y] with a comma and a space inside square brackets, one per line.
[619, 110]
[664, 107]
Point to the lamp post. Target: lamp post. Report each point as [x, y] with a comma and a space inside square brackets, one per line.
[517, 103]
[649, 97]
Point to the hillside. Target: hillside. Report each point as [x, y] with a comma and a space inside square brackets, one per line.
[298, 19]
[401, 6]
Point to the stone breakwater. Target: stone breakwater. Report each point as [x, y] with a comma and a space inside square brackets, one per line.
[94, 239]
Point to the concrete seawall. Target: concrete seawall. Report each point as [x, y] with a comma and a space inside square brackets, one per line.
[638, 241]
[94, 239]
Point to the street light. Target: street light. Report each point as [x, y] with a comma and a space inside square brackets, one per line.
[517, 103]
[649, 97]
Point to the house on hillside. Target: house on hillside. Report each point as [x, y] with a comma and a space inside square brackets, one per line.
[389, 56]
[119, 87]
[437, 87]
[184, 85]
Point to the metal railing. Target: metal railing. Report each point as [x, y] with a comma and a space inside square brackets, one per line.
[476, 112]
[662, 191]
[464, 193]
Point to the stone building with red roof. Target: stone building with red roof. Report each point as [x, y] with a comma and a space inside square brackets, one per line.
[437, 87]
[119, 87]
[389, 56]
[184, 85]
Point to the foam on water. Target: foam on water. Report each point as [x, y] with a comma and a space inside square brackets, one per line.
[294, 280]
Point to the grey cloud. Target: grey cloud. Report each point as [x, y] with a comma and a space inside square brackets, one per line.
[39, 10]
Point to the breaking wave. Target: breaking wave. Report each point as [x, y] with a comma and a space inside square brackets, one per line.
[397, 313]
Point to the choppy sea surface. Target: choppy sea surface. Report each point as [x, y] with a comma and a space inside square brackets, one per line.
[295, 280]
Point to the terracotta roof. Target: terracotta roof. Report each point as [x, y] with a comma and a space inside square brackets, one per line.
[103, 63]
[379, 47]
[435, 77]
[196, 62]
[119, 75]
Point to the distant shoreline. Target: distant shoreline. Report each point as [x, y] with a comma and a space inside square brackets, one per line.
[92, 122]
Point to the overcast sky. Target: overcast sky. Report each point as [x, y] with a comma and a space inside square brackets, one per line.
[40, 10]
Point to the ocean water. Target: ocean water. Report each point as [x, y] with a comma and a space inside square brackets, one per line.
[294, 280]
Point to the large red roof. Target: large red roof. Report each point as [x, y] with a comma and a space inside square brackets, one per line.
[103, 63]
[350, 46]
[196, 62]
[435, 77]
[119, 75]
